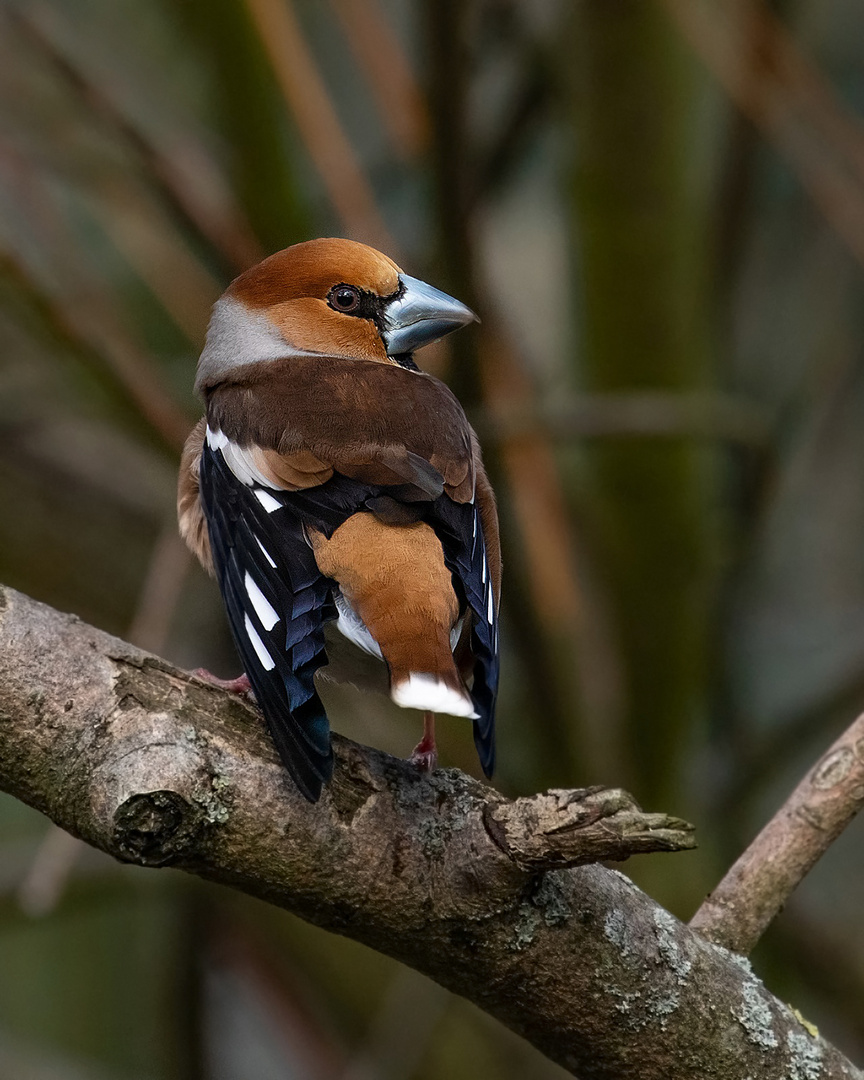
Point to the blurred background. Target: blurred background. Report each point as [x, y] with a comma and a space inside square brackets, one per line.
[657, 208]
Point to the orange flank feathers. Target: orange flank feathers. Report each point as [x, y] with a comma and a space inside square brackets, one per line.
[395, 579]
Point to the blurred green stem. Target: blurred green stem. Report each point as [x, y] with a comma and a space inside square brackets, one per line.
[251, 118]
[640, 231]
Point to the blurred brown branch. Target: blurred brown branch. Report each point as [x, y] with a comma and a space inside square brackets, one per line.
[636, 413]
[371, 37]
[170, 562]
[93, 335]
[764, 72]
[184, 175]
[306, 95]
[743, 905]
[155, 768]
[234, 946]
[49, 872]
[410, 1011]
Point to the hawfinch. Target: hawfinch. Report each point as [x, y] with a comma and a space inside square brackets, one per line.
[332, 480]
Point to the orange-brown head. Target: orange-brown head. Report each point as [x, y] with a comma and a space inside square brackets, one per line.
[328, 297]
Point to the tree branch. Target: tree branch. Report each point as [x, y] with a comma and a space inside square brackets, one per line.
[740, 909]
[440, 872]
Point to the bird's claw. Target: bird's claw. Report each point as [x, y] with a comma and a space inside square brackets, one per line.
[425, 756]
[240, 685]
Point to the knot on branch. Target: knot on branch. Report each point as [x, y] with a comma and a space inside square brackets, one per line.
[155, 828]
[563, 828]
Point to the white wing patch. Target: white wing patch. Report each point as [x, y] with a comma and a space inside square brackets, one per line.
[216, 439]
[238, 459]
[266, 659]
[266, 553]
[267, 501]
[263, 608]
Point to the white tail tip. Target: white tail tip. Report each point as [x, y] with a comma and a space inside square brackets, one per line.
[428, 692]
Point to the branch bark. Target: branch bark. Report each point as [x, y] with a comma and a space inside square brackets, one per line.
[440, 872]
[741, 908]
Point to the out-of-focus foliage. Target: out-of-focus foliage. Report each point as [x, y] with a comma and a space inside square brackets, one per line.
[664, 237]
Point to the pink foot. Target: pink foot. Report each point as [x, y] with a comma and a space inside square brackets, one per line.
[424, 756]
[240, 685]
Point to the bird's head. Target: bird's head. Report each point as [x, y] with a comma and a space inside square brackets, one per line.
[326, 297]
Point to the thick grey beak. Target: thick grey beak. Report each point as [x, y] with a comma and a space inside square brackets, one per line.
[421, 315]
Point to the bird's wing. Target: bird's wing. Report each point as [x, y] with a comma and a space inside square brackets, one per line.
[307, 449]
[377, 423]
[469, 536]
[277, 601]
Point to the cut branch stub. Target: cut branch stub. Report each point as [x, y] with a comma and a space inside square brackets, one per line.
[573, 827]
[155, 827]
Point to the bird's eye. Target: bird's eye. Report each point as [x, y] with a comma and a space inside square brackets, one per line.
[344, 298]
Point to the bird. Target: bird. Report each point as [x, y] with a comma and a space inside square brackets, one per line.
[332, 483]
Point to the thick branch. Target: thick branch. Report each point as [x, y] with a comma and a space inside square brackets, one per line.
[439, 871]
[740, 909]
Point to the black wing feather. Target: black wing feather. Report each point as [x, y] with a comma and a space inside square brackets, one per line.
[242, 535]
[460, 530]
[247, 539]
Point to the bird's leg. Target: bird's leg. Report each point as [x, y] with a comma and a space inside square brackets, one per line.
[424, 755]
[240, 685]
